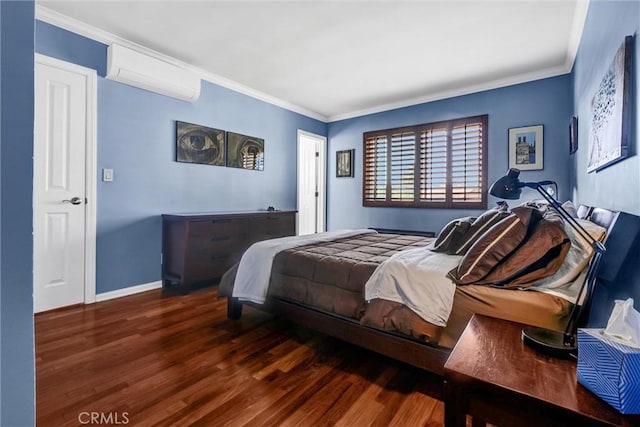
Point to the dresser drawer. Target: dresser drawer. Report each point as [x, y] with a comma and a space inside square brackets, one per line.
[215, 228]
[204, 268]
[272, 226]
[219, 241]
[214, 254]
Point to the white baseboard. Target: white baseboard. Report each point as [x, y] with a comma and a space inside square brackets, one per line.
[118, 293]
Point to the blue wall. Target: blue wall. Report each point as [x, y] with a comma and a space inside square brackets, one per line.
[136, 138]
[547, 102]
[70, 47]
[618, 186]
[16, 248]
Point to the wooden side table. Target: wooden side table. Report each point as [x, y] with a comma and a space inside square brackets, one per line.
[491, 375]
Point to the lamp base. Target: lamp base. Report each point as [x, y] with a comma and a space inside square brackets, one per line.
[549, 342]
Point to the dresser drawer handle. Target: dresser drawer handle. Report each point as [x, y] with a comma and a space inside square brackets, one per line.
[220, 256]
[273, 218]
[221, 221]
[220, 238]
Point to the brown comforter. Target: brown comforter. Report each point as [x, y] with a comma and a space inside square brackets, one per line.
[331, 276]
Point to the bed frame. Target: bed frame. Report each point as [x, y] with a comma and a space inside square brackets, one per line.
[401, 347]
[396, 346]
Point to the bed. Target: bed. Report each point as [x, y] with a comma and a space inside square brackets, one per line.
[324, 285]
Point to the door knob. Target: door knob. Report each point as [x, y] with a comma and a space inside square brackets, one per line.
[73, 201]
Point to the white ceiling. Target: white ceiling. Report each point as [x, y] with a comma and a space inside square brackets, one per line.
[338, 59]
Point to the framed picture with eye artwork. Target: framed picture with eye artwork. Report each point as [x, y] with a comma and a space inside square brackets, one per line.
[245, 152]
[199, 144]
[344, 163]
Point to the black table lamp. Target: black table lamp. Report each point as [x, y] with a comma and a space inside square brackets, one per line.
[546, 340]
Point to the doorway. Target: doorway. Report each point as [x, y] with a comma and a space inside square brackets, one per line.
[311, 183]
[64, 184]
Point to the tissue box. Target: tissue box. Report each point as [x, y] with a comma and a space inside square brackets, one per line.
[609, 369]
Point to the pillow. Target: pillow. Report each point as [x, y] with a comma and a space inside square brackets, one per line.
[543, 204]
[596, 231]
[451, 233]
[570, 208]
[537, 203]
[494, 245]
[576, 260]
[540, 255]
[481, 224]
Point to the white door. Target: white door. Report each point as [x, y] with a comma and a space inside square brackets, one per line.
[311, 188]
[59, 187]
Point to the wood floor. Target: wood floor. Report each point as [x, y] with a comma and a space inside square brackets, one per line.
[151, 359]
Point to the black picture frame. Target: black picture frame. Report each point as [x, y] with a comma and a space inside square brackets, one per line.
[344, 163]
[245, 152]
[199, 144]
[573, 135]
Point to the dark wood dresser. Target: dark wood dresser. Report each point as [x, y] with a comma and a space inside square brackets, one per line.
[200, 247]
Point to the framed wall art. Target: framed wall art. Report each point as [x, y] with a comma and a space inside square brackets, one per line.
[344, 163]
[245, 152]
[199, 144]
[573, 135]
[526, 148]
[610, 116]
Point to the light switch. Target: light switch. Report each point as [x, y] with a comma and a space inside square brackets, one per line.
[107, 175]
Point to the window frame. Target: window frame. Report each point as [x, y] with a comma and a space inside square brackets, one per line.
[448, 203]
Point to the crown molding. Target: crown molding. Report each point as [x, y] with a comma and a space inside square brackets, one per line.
[582, 6]
[466, 90]
[81, 28]
[68, 23]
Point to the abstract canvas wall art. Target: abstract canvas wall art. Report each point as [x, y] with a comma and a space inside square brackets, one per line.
[610, 118]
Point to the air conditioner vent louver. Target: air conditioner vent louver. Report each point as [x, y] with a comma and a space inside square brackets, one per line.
[137, 69]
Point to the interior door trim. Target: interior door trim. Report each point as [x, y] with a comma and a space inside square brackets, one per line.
[90, 169]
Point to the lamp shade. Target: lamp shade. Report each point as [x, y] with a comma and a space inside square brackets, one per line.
[507, 187]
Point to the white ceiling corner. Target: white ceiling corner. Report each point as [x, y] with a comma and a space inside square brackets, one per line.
[577, 26]
[333, 60]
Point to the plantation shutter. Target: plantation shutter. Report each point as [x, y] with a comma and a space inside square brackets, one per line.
[433, 165]
[375, 168]
[403, 158]
[440, 164]
[466, 163]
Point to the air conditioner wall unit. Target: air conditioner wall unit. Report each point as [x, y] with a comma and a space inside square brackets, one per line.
[137, 69]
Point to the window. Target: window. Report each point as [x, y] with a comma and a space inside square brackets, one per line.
[440, 164]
